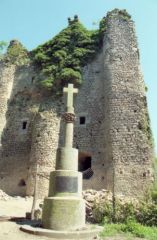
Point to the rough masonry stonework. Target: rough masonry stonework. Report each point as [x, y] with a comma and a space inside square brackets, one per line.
[110, 133]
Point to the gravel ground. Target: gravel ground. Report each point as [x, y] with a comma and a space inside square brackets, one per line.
[15, 207]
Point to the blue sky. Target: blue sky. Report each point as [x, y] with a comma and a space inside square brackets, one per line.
[35, 21]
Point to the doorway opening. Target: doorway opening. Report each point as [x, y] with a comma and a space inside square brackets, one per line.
[85, 165]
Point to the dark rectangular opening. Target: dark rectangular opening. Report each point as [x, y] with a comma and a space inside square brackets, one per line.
[82, 120]
[24, 125]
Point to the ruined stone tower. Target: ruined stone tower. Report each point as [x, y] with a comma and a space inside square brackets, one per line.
[111, 132]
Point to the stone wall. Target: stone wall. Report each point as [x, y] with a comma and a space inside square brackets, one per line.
[45, 141]
[131, 146]
[91, 137]
[113, 101]
[6, 82]
[15, 137]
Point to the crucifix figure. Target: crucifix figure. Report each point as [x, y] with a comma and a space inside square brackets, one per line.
[70, 90]
[69, 116]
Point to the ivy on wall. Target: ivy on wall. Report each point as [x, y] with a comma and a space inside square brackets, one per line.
[60, 60]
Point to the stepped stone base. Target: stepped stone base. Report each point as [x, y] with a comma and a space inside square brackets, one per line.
[63, 213]
[89, 232]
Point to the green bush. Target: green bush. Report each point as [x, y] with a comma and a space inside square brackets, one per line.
[124, 14]
[147, 214]
[47, 83]
[41, 57]
[103, 212]
[68, 75]
[143, 212]
[17, 54]
[154, 196]
[123, 212]
[119, 213]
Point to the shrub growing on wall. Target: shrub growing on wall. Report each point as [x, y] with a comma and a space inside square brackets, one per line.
[60, 60]
[16, 53]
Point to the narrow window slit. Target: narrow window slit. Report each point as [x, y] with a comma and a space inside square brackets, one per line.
[82, 120]
[24, 125]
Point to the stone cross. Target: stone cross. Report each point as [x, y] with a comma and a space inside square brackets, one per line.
[70, 90]
[69, 116]
[65, 182]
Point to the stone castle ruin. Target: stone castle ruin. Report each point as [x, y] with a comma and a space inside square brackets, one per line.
[111, 132]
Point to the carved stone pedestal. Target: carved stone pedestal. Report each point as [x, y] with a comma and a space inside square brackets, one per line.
[64, 208]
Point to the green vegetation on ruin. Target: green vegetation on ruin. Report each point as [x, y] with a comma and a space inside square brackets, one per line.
[122, 13]
[16, 54]
[60, 60]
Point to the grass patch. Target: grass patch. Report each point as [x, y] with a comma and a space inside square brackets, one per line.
[130, 229]
[112, 229]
